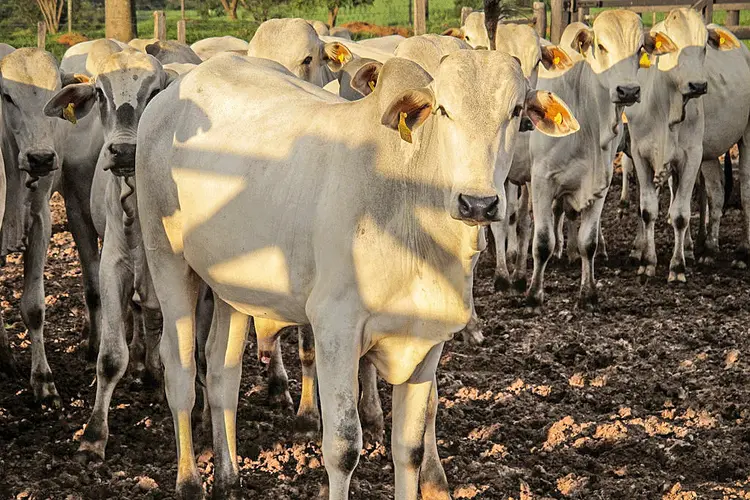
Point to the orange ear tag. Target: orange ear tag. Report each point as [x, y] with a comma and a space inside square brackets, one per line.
[403, 128]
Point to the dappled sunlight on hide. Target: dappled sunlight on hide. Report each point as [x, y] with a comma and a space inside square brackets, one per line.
[262, 269]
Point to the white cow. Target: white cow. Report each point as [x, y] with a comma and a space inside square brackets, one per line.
[388, 43]
[42, 155]
[667, 127]
[122, 84]
[170, 51]
[574, 173]
[381, 202]
[7, 363]
[209, 47]
[295, 45]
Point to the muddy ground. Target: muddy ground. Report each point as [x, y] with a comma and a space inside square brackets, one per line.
[648, 398]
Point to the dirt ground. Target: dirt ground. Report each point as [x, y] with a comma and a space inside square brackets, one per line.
[649, 398]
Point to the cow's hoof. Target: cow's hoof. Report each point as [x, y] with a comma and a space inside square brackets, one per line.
[45, 392]
[85, 457]
[502, 284]
[473, 336]
[227, 492]
[519, 285]
[635, 257]
[588, 301]
[373, 433]
[533, 310]
[558, 253]
[435, 491]
[676, 277]
[307, 427]
[707, 260]
[190, 490]
[739, 264]
[281, 401]
[602, 254]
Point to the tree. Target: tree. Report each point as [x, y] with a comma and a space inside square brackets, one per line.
[119, 20]
[51, 11]
[230, 8]
[262, 10]
[334, 6]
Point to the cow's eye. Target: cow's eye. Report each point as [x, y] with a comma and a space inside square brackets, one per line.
[307, 61]
[517, 111]
[466, 38]
[442, 111]
[602, 49]
[8, 99]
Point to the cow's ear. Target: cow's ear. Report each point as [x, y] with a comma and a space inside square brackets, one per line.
[366, 78]
[73, 78]
[335, 55]
[582, 40]
[722, 39]
[549, 114]
[454, 32]
[72, 102]
[153, 49]
[553, 57]
[408, 111]
[658, 44]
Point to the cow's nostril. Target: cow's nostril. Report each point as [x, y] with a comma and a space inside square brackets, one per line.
[478, 208]
[464, 206]
[698, 88]
[628, 93]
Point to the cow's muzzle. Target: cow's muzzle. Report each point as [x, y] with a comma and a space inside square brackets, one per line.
[627, 95]
[478, 209]
[696, 89]
[41, 163]
[123, 159]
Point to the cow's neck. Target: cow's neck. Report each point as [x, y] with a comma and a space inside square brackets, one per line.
[594, 100]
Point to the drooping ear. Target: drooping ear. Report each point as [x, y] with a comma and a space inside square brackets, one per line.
[582, 40]
[658, 44]
[73, 78]
[553, 57]
[408, 111]
[550, 115]
[722, 39]
[335, 55]
[454, 32]
[153, 49]
[366, 78]
[72, 103]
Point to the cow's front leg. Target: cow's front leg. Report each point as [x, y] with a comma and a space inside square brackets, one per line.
[7, 363]
[410, 411]
[116, 278]
[649, 213]
[742, 259]
[679, 212]
[224, 349]
[588, 240]
[337, 350]
[77, 207]
[500, 235]
[307, 423]
[432, 480]
[32, 301]
[370, 409]
[627, 171]
[544, 240]
[523, 224]
[511, 200]
[152, 318]
[559, 215]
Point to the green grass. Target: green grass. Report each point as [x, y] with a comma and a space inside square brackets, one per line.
[383, 12]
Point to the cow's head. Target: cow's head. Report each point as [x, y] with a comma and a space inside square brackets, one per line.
[124, 83]
[294, 44]
[28, 78]
[612, 48]
[685, 30]
[523, 42]
[474, 104]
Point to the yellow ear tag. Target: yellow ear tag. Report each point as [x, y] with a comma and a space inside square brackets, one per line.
[372, 85]
[341, 57]
[556, 60]
[558, 118]
[69, 113]
[403, 128]
[722, 40]
[645, 61]
[658, 44]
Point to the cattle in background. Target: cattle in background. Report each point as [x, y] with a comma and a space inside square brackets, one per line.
[7, 363]
[42, 155]
[381, 224]
[123, 82]
[574, 173]
[209, 47]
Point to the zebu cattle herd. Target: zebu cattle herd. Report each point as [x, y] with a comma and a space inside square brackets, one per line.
[303, 179]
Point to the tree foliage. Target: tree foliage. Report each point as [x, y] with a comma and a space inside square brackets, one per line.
[334, 6]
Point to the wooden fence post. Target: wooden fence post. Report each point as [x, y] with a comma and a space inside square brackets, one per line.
[540, 17]
[181, 31]
[70, 16]
[557, 21]
[160, 26]
[582, 13]
[733, 18]
[41, 35]
[465, 11]
[420, 23]
[708, 11]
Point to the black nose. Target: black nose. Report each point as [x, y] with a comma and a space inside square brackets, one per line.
[123, 154]
[41, 161]
[628, 94]
[697, 88]
[478, 208]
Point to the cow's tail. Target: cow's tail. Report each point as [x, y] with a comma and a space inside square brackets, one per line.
[728, 179]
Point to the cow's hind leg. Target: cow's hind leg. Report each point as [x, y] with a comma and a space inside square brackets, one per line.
[307, 423]
[370, 409]
[224, 349]
[523, 224]
[410, 411]
[649, 212]
[588, 241]
[742, 259]
[116, 278]
[32, 301]
[7, 363]
[559, 215]
[679, 212]
[268, 334]
[77, 206]
[500, 235]
[714, 192]
[432, 481]
[544, 241]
